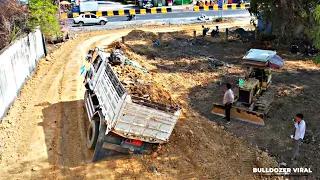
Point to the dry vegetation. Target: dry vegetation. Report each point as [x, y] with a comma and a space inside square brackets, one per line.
[13, 21]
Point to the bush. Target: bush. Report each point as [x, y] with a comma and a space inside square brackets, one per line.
[44, 14]
[219, 19]
[316, 59]
[16, 19]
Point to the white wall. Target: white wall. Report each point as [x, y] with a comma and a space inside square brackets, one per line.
[17, 63]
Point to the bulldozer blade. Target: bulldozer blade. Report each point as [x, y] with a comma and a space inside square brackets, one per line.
[239, 113]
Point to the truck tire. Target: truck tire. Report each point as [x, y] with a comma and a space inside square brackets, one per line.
[81, 23]
[85, 97]
[86, 85]
[92, 134]
[102, 22]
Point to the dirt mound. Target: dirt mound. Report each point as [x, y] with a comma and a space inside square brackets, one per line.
[140, 83]
[263, 160]
[138, 35]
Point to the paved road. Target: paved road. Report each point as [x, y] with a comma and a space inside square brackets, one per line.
[191, 14]
[174, 18]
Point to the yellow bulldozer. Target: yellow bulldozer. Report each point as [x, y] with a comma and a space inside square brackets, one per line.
[254, 97]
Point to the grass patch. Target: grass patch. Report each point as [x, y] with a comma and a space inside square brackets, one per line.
[219, 19]
[316, 59]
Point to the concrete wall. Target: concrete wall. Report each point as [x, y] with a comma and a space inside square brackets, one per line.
[17, 63]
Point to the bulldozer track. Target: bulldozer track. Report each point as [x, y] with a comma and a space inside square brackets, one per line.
[263, 104]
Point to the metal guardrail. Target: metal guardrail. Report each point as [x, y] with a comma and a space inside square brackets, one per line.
[224, 7]
[124, 12]
[121, 12]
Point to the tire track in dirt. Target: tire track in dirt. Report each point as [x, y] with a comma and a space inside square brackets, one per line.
[73, 148]
[73, 140]
[37, 93]
[30, 133]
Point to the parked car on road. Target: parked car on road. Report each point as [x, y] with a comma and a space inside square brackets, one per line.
[89, 19]
[147, 5]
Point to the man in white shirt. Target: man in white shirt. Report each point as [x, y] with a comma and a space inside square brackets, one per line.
[300, 130]
[228, 99]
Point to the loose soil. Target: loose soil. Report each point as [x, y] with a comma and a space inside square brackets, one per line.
[43, 136]
[139, 83]
[185, 65]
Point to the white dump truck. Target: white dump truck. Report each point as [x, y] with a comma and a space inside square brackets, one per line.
[119, 122]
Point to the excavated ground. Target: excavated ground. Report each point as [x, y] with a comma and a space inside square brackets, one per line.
[43, 136]
[185, 65]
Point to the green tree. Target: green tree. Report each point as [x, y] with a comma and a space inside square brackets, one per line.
[315, 30]
[289, 18]
[44, 14]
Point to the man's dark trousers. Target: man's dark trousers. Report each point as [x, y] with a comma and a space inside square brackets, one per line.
[297, 144]
[227, 111]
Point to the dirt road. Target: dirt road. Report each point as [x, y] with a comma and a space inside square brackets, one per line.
[45, 127]
[43, 136]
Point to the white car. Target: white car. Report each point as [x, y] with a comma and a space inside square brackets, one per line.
[89, 19]
[147, 5]
[203, 17]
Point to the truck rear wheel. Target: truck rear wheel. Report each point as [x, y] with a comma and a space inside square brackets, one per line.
[92, 134]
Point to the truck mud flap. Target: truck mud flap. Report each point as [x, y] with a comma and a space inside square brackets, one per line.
[239, 113]
[100, 152]
[112, 144]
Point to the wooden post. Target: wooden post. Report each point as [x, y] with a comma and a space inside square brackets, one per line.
[227, 34]
[122, 38]
[255, 34]
[160, 38]
[195, 34]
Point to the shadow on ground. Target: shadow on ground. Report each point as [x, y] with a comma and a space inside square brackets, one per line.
[64, 126]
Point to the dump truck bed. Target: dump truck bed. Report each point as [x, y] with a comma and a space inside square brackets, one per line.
[146, 121]
[127, 116]
[120, 123]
